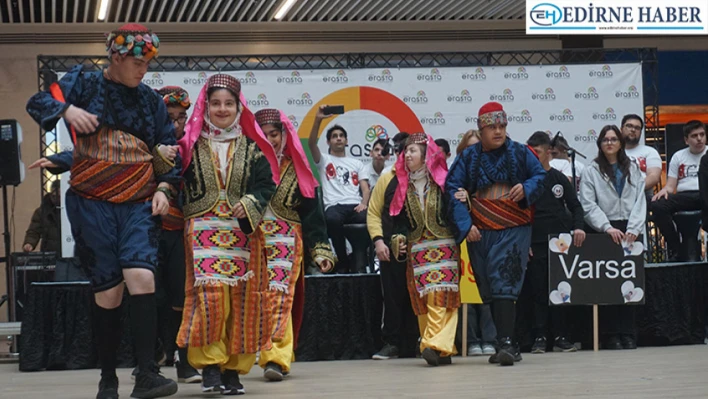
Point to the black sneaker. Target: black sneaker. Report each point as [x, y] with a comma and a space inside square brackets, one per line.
[186, 373]
[232, 383]
[432, 357]
[563, 345]
[387, 352]
[539, 346]
[211, 379]
[628, 342]
[507, 354]
[151, 384]
[134, 374]
[613, 343]
[273, 372]
[108, 387]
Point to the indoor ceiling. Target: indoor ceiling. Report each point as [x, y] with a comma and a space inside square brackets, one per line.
[216, 11]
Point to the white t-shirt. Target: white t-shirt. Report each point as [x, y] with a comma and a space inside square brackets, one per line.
[645, 157]
[371, 174]
[340, 180]
[563, 165]
[684, 167]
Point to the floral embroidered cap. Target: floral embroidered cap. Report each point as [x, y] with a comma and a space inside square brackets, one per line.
[175, 95]
[134, 40]
[490, 114]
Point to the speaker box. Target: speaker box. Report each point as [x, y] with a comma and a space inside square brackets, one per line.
[12, 170]
[674, 140]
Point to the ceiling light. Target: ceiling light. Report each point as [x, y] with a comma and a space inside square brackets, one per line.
[103, 10]
[284, 8]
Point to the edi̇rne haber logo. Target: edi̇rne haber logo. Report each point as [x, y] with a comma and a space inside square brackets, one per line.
[617, 17]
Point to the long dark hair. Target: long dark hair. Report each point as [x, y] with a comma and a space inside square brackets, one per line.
[622, 159]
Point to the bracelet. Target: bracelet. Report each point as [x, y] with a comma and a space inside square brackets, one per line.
[166, 191]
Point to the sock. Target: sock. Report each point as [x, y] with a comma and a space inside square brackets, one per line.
[108, 334]
[504, 313]
[143, 322]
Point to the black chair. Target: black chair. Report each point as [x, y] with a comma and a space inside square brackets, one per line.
[688, 224]
[362, 250]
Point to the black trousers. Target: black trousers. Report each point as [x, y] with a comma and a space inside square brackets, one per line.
[337, 216]
[400, 324]
[617, 319]
[664, 209]
[536, 285]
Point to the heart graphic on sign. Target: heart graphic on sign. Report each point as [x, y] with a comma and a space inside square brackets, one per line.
[561, 245]
[562, 294]
[631, 293]
[632, 249]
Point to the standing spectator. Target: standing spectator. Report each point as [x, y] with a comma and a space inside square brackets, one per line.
[681, 190]
[341, 178]
[551, 217]
[471, 137]
[561, 160]
[612, 196]
[647, 158]
[45, 224]
[445, 147]
[380, 153]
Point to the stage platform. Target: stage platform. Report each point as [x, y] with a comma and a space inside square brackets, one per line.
[659, 372]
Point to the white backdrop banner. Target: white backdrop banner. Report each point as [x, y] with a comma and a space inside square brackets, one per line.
[577, 100]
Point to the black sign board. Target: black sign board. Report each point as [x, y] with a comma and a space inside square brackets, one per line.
[599, 272]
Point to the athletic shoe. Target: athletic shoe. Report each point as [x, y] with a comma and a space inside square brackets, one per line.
[613, 343]
[431, 357]
[628, 342]
[186, 373]
[273, 372]
[475, 350]
[488, 349]
[539, 346]
[108, 388]
[232, 383]
[211, 379]
[387, 352]
[151, 384]
[563, 345]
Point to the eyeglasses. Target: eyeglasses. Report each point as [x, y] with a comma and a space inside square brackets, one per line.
[611, 140]
[632, 127]
[179, 119]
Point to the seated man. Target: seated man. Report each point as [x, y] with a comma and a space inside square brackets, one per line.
[681, 190]
[646, 157]
[380, 153]
[341, 178]
[45, 225]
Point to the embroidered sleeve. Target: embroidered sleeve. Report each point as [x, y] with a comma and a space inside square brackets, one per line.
[533, 186]
[62, 160]
[45, 110]
[458, 212]
[314, 230]
[165, 170]
[259, 190]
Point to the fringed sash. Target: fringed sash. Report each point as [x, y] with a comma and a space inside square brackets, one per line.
[221, 249]
[435, 264]
[280, 252]
[499, 214]
[113, 166]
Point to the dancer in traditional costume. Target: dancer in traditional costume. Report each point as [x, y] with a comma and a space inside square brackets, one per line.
[415, 224]
[293, 221]
[119, 184]
[229, 176]
[503, 179]
[172, 262]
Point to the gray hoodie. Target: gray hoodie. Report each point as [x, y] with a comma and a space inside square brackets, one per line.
[602, 204]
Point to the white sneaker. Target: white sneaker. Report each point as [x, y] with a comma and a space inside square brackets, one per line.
[474, 350]
[488, 349]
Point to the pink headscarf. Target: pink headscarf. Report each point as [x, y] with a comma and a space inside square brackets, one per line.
[249, 128]
[293, 148]
[434, 163]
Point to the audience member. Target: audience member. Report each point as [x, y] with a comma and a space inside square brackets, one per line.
[551, 217]
[470, 137]
[341, 178]
[445, 147]
[647, 158]
[45, 224]
[561, 160]
[681, 190]
[380, 153]
[612, 196]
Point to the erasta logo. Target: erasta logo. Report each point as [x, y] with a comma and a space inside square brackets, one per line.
[384, 77]
[154, 80]
[477, 75]
[250, 79]
[199, 80]
[520, 74]
[294, 78]
[433, 77]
